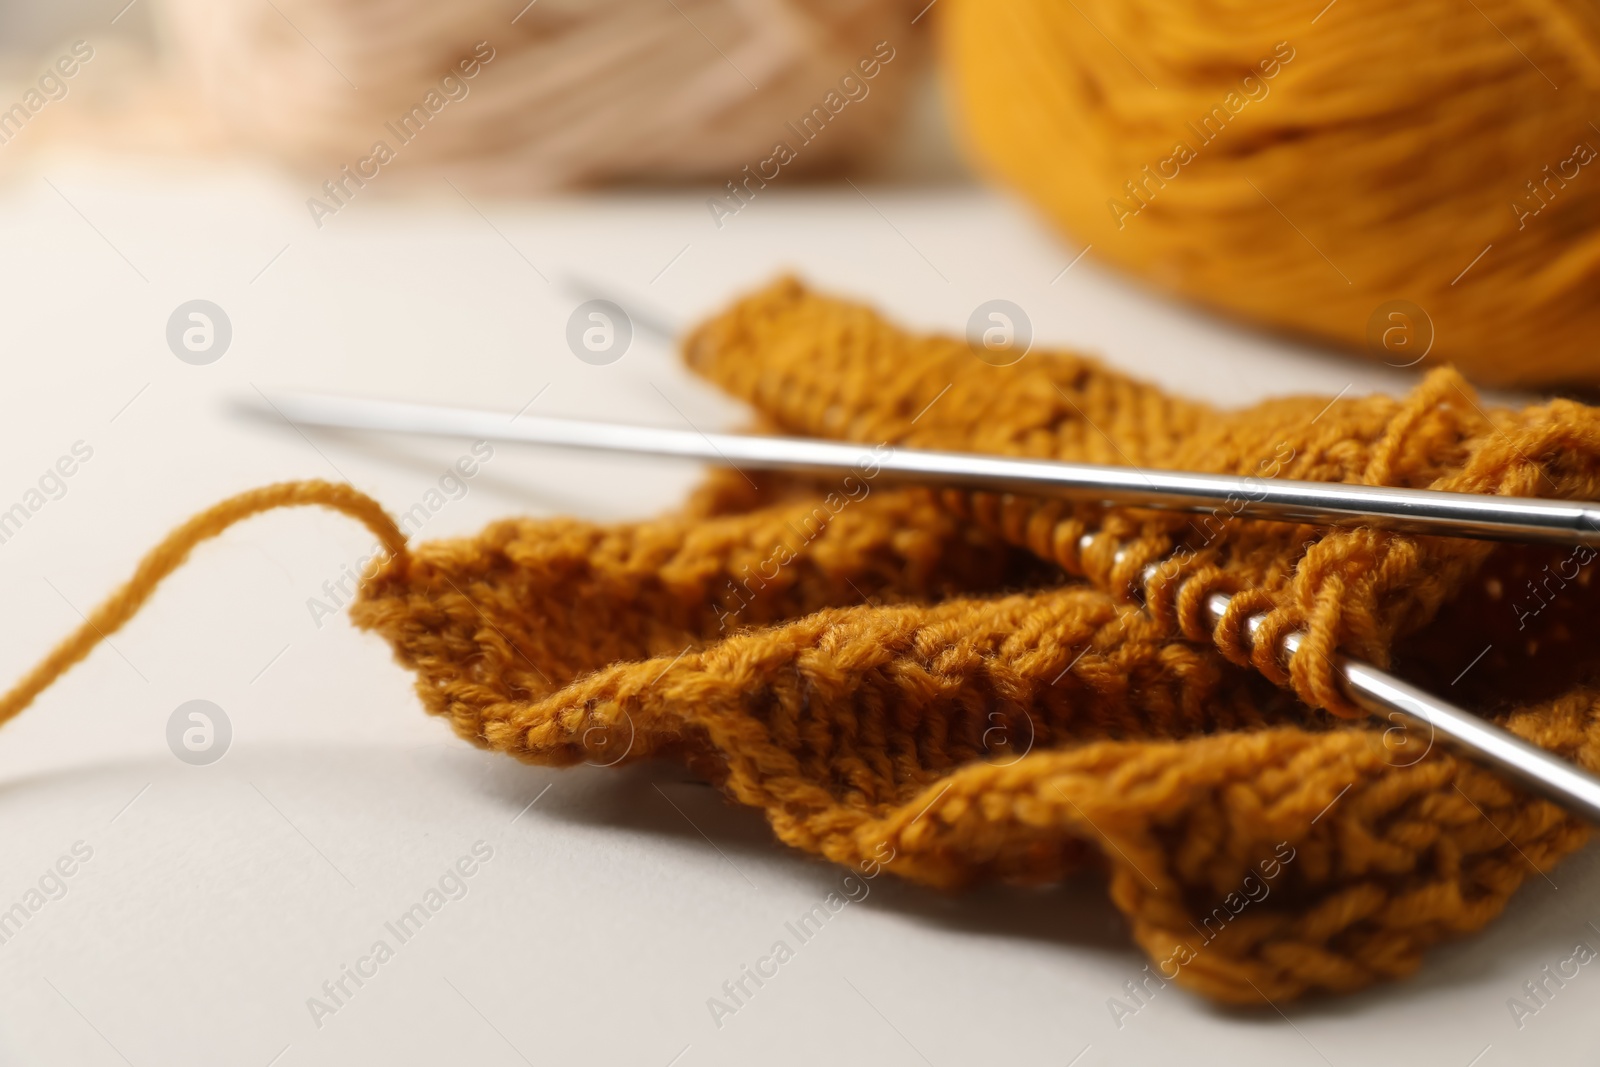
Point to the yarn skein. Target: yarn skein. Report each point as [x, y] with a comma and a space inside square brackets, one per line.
[957, 686]
[564, 93]
[1413, 182]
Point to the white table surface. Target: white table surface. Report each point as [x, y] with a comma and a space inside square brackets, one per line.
[222, 897]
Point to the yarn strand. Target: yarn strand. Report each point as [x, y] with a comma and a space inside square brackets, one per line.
[170, 554]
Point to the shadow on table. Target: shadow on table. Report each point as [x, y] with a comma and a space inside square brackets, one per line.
[1539, 927]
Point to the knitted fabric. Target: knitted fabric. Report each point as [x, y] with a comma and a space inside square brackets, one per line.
[957, 686]
[893, 672]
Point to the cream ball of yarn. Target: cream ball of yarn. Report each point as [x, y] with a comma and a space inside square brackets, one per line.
[576, 92]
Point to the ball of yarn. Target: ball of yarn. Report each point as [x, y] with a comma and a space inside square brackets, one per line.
[1417, 181]
[563, 92]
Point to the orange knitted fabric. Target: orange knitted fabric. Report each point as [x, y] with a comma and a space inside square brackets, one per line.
[886, 672]
[955, 686]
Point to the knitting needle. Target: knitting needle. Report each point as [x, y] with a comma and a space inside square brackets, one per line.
[1423, 511]
[1382, 694]
[1420, 511]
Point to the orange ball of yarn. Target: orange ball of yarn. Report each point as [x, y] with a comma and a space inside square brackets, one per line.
[1416, 180]
[562, 92]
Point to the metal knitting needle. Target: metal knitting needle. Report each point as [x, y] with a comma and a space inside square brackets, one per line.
[1382, 694]
[1419, 511]
[1519, 519]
